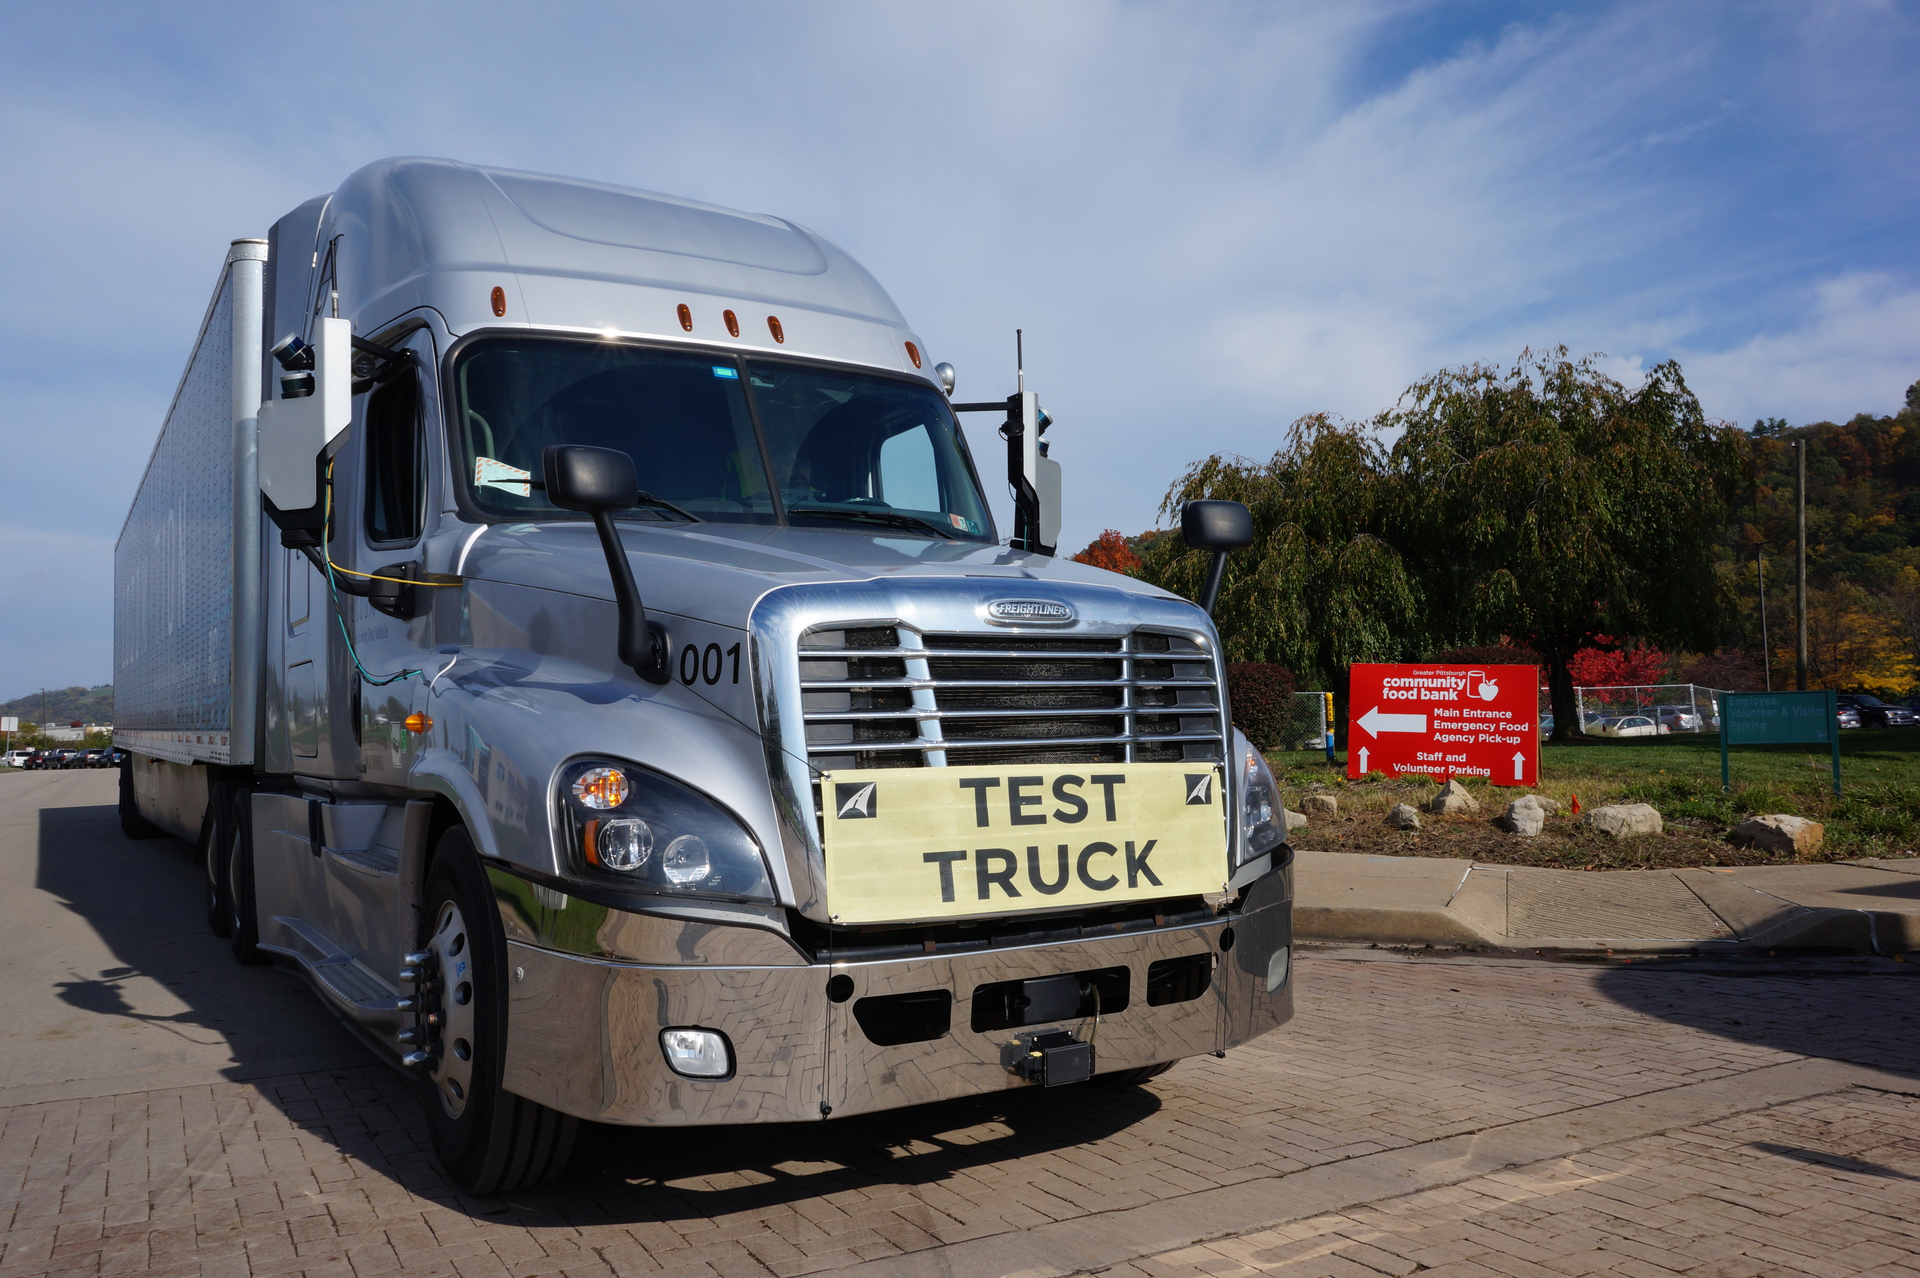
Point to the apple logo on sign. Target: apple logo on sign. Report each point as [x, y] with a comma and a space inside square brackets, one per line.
[1488, 689]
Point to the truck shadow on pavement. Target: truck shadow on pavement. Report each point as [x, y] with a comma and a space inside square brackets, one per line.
[1865, 1010]
[261, 1025]
[144, 901]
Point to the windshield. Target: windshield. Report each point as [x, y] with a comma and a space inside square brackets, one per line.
[840, 448]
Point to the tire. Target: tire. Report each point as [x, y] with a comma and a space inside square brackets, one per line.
[132, 824]
[1134, 1077]
[216, 839]
[243, 927]
[487, 1140]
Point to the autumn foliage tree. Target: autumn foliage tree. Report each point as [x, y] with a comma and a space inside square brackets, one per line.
[1110, 551]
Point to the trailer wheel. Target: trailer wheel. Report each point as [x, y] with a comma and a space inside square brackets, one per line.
[488, 1140]
[132, 824]
[243, 925]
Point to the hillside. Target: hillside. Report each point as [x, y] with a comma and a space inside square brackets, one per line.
[63, 705]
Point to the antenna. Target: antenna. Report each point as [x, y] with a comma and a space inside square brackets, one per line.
[1019, 361]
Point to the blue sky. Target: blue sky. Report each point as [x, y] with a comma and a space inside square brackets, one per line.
[1209, 219]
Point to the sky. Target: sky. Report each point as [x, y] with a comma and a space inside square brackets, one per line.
[1209, 219]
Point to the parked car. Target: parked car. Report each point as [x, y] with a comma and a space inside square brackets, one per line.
[1875, 713]
[94, 757]
[1679, 718]
[1632, 725]
[15, 758]
[1849, 716]
[113, 757]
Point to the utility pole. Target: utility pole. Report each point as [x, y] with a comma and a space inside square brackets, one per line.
[1800, 557]
[1766, 652]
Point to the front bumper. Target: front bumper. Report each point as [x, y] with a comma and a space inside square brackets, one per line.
[583, 1033]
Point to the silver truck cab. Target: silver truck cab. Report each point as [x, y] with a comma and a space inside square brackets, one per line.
[841, 800]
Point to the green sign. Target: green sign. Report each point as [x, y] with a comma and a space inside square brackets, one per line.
[1779, 718]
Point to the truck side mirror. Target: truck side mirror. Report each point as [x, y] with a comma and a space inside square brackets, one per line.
[599, 481]
[1219, 526]
[296, 433]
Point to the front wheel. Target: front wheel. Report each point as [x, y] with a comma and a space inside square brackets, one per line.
[488, 1140]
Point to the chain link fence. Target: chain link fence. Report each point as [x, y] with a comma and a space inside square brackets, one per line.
[1309, 720]
[1641, 709]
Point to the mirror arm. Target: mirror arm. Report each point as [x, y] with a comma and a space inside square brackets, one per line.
[641, 644]
[1215, 573]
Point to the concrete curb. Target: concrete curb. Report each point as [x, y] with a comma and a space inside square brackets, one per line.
[1865, 906]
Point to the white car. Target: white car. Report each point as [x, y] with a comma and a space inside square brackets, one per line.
[1633, 725]
[1679, 718]
[14, 758]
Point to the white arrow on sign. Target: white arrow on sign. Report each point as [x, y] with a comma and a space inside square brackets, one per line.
[1376, 723]
[1363, 760]
[1519, 765]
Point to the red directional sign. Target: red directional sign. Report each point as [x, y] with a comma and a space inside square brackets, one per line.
[1445, 721]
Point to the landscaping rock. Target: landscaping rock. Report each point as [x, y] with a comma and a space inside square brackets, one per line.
[1525, 816]
[1626, 820]
[1403, 816]
[1295, 820]
[1320, 807]
[1549, 806]
[1779, 833]
[1453, 798]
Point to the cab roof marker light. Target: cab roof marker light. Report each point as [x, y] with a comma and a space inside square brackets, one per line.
[773, 326]
[686, 316]
[913, 353]
[733, 323]
[499, 302]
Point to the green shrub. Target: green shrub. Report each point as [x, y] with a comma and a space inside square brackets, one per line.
[1261, 694]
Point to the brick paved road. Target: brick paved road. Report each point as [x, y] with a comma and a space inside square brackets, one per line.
[1446, 1116]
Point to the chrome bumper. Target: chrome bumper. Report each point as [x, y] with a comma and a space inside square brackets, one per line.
[584, 1033]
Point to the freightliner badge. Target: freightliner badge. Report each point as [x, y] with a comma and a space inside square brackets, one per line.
[908, 844]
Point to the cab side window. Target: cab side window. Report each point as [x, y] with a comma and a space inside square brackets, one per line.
[396, 463]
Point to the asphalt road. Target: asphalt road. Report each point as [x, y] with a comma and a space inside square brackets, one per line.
[164, 1110]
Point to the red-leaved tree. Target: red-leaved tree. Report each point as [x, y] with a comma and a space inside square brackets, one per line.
[1110, 551]
[1613, 668]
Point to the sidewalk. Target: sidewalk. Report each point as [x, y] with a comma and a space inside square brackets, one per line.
[1867, 906]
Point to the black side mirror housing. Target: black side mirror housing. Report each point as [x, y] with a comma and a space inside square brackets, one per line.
[592, 480]
[599, 481]
[1219, 526]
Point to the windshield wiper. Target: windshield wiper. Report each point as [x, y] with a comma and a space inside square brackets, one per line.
[645, 498]
[892, 518]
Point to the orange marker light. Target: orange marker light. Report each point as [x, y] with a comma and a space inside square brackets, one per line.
[601, 788]
[773, 326]
[589, 844]
[499, 302]
[913, 353]
[733, 323]
[686, 317]
[418, 722]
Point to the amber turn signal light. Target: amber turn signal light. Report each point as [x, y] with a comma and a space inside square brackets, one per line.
[733, 323]
[499, 302]
[686, 317]
[773, 326]
[418, 722]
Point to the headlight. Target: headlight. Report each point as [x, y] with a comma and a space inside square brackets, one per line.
[626, 826]
[1262, 820]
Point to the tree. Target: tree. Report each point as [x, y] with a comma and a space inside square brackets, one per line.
[1552, 504]
[1320, 587]
[1617, 666]
[1110, 551]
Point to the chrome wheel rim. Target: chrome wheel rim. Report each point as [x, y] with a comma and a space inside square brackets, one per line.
[452, 1002]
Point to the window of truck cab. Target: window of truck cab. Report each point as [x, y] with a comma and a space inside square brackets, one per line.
[713, 436]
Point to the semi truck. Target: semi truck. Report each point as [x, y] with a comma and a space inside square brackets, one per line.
[569, 622]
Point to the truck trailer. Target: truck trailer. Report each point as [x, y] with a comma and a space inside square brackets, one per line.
[569, 622]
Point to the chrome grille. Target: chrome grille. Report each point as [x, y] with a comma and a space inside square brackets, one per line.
[886, 696]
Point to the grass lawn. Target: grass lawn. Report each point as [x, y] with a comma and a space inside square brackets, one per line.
[1877, 815]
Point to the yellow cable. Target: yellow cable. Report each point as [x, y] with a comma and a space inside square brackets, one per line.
[326, 555]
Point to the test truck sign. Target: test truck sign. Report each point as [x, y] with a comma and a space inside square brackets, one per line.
[1445, 721]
